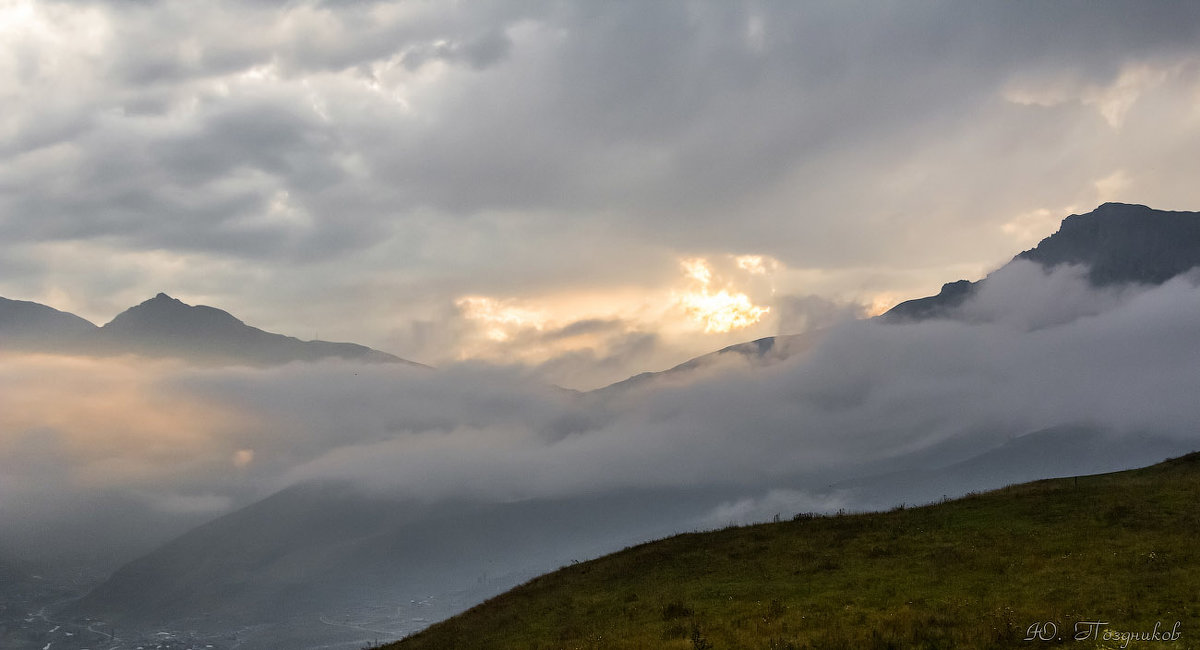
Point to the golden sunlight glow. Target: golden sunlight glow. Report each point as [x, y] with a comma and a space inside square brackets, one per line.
[880, 303]
[501, 319]
[708, 301]
[697, 268]
[535, 329]
[756, 264]
[121, 425]
[242, 458]
[723, 310]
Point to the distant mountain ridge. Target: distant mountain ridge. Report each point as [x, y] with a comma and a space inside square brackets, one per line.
[30, 325]
[1118, 242]
[764, 351]
[166, 327]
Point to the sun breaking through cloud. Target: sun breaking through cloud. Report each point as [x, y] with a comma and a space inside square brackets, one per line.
[723, 310]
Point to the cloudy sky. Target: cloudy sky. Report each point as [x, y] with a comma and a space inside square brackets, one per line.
[590, 189]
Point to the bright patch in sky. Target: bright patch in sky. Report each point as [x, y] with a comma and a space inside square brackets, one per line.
[242, 458]
[880, 303]
[499, 318]
[1112, 100]
[755, 264]
[723, 310]
[658, 323]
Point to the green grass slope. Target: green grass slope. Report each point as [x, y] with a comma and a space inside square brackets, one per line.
[984, 571]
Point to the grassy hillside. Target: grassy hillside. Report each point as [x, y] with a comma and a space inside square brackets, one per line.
[979, 572]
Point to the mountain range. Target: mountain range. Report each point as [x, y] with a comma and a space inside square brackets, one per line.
[166, 327]
[316, 550]
[1119, 243]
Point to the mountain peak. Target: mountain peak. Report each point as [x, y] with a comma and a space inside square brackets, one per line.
[166, 326]
[1117, 205]
[32, 326]
[163, 313]
[1124, 242]
[162, 299]
[1118, 242]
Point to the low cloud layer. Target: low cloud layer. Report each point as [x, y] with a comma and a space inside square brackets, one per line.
[1033, 350]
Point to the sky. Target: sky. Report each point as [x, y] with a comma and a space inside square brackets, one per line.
[584, 190]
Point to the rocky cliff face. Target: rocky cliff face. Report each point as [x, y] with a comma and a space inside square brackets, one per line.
[1123, 243]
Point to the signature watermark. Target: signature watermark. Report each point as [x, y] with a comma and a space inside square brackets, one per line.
[1100, 631]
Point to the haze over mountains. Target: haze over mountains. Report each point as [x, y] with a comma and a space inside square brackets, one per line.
[386, 485]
